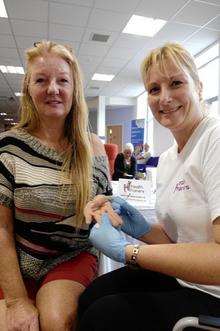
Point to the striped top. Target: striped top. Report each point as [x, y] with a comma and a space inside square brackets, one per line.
[44, 211]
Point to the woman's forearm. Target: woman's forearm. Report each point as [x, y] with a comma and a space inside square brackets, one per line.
[193, 262]
[157, 235]
[11, 280]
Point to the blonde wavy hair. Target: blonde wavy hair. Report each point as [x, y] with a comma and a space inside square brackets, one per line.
[77, 163]
[175, 53]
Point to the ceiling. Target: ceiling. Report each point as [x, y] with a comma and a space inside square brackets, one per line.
[194, 23]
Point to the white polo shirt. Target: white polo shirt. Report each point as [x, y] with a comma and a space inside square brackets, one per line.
[188, 190]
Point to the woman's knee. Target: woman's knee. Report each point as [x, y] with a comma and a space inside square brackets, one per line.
[52, 319]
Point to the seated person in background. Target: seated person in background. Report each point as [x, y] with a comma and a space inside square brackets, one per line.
[125, 164]
[144, 156]
[50, 168]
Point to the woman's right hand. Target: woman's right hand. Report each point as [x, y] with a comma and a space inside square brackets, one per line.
[97, 207]
[21, 315]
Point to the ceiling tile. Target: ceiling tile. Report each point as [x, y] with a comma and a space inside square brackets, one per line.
[36, 10]
[93, 48]
[215, 24]
[107, 70]
[201, 40]
[124, 53]
[88, 3]
[165, 10]
[68, 14]
[175, 32]
[8, 53]
[101, 19]
[10, 62]
[65, 32]
[4, 26]
[26, 42]
[197, 13]
[116, 62]
[134, 90]
[6, 40]
[29, 28]
[73, 44]
[89, 60]
[214, 2]
[131, 41]
[123, 6]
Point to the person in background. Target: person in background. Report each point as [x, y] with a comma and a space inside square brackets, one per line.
[144, 156]
[125, 163]
[177, 267]
[50, 168]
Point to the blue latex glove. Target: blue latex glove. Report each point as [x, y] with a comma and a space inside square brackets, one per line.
[108, 239]
[134, 223]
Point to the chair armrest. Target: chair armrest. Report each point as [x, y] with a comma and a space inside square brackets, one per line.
[209, 320]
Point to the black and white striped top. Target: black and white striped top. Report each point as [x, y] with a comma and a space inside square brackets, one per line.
[44, 211]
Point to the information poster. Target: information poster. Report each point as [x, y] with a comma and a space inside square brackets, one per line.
[136, 192]
[137, 135]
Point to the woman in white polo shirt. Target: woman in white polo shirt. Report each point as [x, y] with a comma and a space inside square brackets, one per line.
[179, 274]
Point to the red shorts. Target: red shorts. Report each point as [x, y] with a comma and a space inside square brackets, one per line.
[81, 269]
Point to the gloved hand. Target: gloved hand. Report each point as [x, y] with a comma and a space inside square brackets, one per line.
[134, 224]
[108, 239]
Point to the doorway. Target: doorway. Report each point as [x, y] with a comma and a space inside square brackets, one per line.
[114, 136]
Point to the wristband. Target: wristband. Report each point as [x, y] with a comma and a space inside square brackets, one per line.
[134, 254]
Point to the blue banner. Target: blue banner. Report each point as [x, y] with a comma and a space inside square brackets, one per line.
[137, 135]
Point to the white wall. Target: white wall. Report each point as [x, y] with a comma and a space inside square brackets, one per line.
[162, 138]
[122, 116]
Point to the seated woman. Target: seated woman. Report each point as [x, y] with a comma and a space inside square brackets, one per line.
[125, 164]
[144, 156]
[51, 166]
[177, 266]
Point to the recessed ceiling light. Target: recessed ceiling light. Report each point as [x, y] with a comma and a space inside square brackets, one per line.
[11, 70]
[3, 12]
[18, 94]
[143, 26]
[103, 77]
[3, 114]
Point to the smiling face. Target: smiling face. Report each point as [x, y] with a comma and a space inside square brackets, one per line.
[127, 154]
[51, 87]
[173, 97]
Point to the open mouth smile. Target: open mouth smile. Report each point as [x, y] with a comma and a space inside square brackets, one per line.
[169, 111]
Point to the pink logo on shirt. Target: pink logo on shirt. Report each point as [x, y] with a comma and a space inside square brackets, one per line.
[181, 186]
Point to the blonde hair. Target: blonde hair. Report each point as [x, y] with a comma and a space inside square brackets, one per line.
[77, 163]
[175, 53]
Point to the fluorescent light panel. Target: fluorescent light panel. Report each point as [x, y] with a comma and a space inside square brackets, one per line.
[3, 12]
[143, 26]
[102, 77]
[11, 70]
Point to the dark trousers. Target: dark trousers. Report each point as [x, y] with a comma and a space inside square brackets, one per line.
[140, 300]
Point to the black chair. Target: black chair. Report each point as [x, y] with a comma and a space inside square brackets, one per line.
[152, 161]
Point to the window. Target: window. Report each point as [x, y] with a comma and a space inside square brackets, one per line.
[209, 71]
[143, 111]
